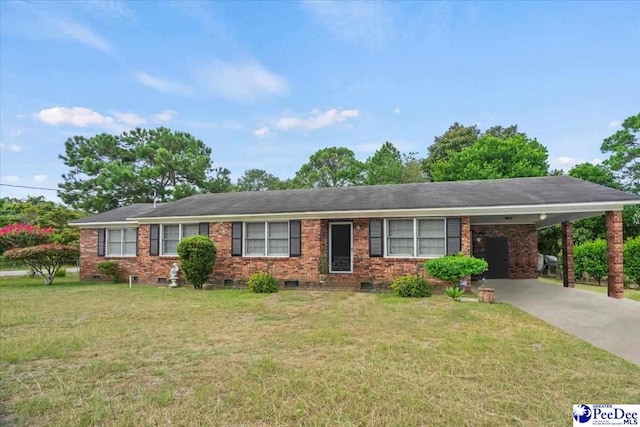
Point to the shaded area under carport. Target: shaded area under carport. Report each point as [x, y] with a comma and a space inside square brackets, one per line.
[611, 324]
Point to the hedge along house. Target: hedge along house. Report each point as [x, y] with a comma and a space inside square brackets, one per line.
[367, 236]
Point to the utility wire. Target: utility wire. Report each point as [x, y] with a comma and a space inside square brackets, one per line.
[32, 188]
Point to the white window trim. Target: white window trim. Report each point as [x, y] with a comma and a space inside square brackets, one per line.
[122, 242]
[415, 239]
[266, 240]
[162, 252]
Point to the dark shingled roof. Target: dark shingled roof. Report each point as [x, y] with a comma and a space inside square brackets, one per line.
[119, 214]
[485, 193]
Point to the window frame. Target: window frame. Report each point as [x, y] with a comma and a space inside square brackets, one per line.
[416, 239]
[266, 240]
[180, 237]
[121, 254]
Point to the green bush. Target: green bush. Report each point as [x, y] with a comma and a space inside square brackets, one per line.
[632, 258]
[411, 287]
[454, 292]
[62, 272]
[454, 268]
[591, 258]
[197, 259]
[263, 283]
[110, 269]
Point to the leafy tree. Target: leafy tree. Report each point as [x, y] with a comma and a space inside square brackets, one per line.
[23, 235]
[197, 258]
[503, 133]
[624, 147]
[413, 171]
[385, 166]
[45, 259]
[591, 258]
[330, 167]
[109, 171]
[492, 158]
[258, 180]
[456, 138]
[632, 259]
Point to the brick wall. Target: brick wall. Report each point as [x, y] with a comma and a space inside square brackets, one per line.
[523, 247]
[89, 258]
[380, 271]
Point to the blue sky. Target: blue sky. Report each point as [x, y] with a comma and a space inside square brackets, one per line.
[266, 84]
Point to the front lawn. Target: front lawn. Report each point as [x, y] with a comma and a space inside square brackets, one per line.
[104, 354]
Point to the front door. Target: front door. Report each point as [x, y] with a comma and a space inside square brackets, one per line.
[496, 253]
[340, 247]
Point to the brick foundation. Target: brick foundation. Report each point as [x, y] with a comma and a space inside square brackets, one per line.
[614, 254]
[523, 247]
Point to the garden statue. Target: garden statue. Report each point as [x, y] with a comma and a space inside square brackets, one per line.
[173, 275]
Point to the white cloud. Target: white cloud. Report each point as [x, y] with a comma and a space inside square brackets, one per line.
[615, 124]
[368, 22]
[76, 116]
[39, 178]
[396, 111]
[130, 119]
[163, 85]
[317, 119]
[244, 82]
[263, 132]
[73, 31]
[13, 147]
[165, 116]
[11, 179]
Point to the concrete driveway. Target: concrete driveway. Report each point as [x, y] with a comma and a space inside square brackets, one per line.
[611, 324]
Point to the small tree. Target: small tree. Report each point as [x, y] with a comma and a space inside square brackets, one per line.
[591, 258]
[454, 268]
[632, 258]
[45, 259]
[23, 235]
[197, 259]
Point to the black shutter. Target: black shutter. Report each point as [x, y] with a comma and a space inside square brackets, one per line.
[137, 231]
[101, 241]
[204, 229]
[154, 239]
[236, 239]
[376, 238]
[295, 238]
[454, 234]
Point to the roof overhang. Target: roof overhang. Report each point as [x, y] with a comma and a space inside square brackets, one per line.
[112, 224]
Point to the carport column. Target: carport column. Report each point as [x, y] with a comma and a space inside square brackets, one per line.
[568, 274]
[614, 253]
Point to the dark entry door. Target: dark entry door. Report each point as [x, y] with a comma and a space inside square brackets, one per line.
[497, 256]
[340, 248]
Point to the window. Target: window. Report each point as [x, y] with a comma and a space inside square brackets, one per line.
[266, 239]
[173, 233]
[408, 237]
[121, 242]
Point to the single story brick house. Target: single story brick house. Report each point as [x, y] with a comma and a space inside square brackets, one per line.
[366, 236]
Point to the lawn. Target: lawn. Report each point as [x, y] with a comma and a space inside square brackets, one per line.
[633, 294]
[103, 354]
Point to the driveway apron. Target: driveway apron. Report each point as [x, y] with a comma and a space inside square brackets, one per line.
[611, 324]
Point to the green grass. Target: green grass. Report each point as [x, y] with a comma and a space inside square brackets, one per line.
[103, 354]
[633, 294]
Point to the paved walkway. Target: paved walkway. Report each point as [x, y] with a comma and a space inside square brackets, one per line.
[604, 322]
[19, 273]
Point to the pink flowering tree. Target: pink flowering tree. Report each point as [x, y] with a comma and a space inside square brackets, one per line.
[23, 235]
[44, 259]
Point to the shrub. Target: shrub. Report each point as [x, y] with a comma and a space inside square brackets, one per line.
[45, 260]
[411, 287]
[263, 283]
[454, 268]
[110, 269]
[62, 272]
[454, 292]
[591, 258]
[197, 259]
[632, 258]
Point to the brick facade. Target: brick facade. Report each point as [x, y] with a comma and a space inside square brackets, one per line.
[522, 241]
[568, 271]
[615, 254]
[378, 271]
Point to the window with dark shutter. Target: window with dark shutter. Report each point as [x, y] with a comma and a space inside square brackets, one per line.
[204, 229]
[376, 238]
[154, 239]
[236, 239]
[295, 238]
[101, 241]
[454, 235]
